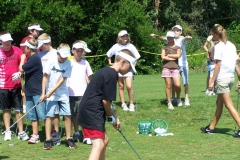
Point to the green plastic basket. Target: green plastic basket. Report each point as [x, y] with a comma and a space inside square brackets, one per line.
[144, 127]
[159, 126]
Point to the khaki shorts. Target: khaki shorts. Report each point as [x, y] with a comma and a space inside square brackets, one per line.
[224, 85]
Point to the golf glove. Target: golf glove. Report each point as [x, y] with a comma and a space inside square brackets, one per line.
[111, 119]
[16, 76]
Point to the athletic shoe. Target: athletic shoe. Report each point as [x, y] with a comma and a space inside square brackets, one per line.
[207, 91]
[23, 136]
[69, 143]
[173, 100]
[34, 139]
[76, 137]
[207, 130]
[124, 107]
[56, 138]
[87, 141]
[170, 106]
[237, 134]
[131, 108]
[7, 136]
[211, 93]
[186, 102]
[179, 102]
[47, 145]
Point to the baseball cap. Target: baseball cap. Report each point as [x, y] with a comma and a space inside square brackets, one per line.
[41, 42]
[177, 26]
[129, 58]
[122, 33]
[28, 45]
[6, 37]
[64, 52]
[81, 45]
[36, 27]
[170, 34]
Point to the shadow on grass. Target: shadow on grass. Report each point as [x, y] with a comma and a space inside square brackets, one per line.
[222, 131]
[4, 157]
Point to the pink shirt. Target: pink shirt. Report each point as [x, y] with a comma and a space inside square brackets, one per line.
[77, 83]
[9, 64]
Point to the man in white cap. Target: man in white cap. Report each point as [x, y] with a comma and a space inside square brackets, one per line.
[10, 84]
[33, 29]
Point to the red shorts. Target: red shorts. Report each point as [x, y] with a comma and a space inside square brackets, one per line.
[92, 133]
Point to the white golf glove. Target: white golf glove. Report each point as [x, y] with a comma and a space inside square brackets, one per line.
[111, 119]
[16, 76]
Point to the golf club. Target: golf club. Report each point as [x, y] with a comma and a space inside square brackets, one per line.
[237, 111]
[21, 117]
[134, 92]
[129, 143]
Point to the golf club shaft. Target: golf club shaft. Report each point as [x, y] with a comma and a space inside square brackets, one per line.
[129, 143]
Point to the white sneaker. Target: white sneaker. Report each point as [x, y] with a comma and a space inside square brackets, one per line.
[23, 136]
[7, 136]
[34, 139]
[186, 102]
[170, 106]
[211, 93]
[124, 107]
[131, 108]
[87, 141]
[179, 102]
[207, 91]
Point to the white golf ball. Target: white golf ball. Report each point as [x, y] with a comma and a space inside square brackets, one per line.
[150, 135]
[137, 132]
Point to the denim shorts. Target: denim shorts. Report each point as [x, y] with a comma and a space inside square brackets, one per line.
[74, 104]
[64, 108]
[38, 112]
[184, 74]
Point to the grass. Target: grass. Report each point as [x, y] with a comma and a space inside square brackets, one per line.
[188, 142]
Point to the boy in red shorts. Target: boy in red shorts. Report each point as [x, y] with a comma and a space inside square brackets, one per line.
[95, 106]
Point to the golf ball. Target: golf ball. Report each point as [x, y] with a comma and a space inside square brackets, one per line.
[137, 132]
[150, 135]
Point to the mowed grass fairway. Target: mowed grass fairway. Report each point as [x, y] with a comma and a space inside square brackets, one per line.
[188, 143]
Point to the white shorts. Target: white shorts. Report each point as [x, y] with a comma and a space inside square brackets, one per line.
[129, 74]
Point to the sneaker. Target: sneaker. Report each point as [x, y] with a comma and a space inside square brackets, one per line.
[87, 141]
[186, 102]
[56, 138]
[173, 100]
[207, 91]
[170, 106]
[131, 108]
[76, 137]
[47, 145]
[69, 143]
[211, 93]
[207, 130]
[34, 139]
[179, 102]
[124, 107]
[237, 134]
[23, 136]
[7, 136]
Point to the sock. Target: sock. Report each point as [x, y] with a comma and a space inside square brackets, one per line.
[77, 133]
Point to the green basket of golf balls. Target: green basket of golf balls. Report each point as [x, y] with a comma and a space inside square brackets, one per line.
[144, 127]
[159, 126]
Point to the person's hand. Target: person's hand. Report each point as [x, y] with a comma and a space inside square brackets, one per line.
[16, 76]
[188, 37]
[117, 124]
[111, 119]
[210, 86]
[153, 35]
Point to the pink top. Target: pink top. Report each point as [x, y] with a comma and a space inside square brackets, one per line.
[9, 64]
[77, 83]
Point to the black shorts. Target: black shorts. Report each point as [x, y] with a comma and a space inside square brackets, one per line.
[74, 104]
[11, 99]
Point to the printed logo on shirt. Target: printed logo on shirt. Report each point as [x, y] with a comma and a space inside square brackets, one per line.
[6, 59]
[57, 70]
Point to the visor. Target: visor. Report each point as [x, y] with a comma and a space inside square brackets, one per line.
[37, 27]
[130, 59]
[64, 52]
[41, 42]
[28, 45]
[6, 37]
[81, 45]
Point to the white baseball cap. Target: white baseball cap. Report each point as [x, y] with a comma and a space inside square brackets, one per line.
[28, 45]
[122, 33]
[170, 34]
[81, 45]
[177, 26]
[64, 52]
[36, 27]
[6, 37]
[129, 58]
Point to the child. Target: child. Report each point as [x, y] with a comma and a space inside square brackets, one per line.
[226, 64]
[123, 42]
[77, 83]
[33, 86]
[10, 85]
[49, 53]
[55, 73]
[95, 106]
[170, 55]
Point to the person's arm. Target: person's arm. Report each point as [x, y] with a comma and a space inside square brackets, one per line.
[239, 56]
[205, 46]
[107, 107]
[186, 38]
[215, 73]
[44, 84]
[237, 69]
[158, 37]
[23, 58]
[59, 83]
[89, 78]
[175, 56]
[165, 57]
[109, 61]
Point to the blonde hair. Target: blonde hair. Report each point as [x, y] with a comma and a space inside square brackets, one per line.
[63, 45]
[79, 41]
[220, 31]
[119, 39]
[4, 32]
[44, 36]
[33, 42]
[128, 52]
